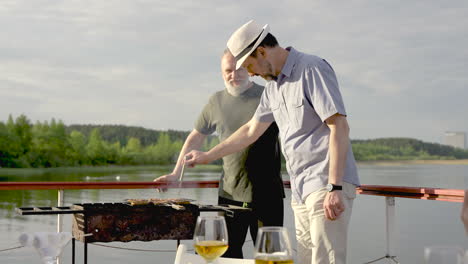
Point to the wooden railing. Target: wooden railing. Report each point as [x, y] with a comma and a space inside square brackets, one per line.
[425, 193]
[450, 195]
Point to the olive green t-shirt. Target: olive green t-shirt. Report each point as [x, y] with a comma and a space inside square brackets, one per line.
[253, 173]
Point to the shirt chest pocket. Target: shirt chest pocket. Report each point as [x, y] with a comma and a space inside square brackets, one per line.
[296, 109]
[278, 113]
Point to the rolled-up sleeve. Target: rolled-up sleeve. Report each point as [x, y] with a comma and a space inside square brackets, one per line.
[263, 112]
[323, 91]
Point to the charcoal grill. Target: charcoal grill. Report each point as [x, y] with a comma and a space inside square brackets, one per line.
[123, 222]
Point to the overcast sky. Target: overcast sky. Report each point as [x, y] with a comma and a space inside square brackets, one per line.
[402, 65]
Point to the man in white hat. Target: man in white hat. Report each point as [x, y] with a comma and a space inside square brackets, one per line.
[251, 177]
[303, 97]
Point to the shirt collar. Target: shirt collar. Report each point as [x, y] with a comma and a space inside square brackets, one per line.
[290, 62]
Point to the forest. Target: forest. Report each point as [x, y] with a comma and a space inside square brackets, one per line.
[53, 144]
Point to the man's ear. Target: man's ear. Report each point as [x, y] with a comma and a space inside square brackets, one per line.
[261, 51]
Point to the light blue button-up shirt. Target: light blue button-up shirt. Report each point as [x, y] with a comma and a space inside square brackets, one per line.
[304, 95]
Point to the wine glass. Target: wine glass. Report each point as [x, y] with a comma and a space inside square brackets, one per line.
[210, 237]
[273, 246]
[49, 245]
[443, 255]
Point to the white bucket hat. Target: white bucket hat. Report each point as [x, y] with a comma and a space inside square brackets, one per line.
[245, 40]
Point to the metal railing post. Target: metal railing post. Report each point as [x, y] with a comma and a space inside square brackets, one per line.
[390, 226]
[390, 229]
[59, 218]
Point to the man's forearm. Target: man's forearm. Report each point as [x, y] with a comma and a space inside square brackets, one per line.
[243, 137]
[339, 143]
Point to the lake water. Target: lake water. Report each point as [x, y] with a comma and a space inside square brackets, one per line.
[420, 223]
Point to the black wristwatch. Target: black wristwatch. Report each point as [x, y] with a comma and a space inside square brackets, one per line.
[334, 187]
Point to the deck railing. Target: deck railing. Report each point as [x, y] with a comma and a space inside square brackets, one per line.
[449, 195]
[389, 192]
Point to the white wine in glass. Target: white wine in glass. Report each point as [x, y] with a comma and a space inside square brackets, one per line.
[444, 255]
[210, 237]
[273, 246]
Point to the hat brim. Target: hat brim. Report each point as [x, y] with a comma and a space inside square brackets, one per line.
[265, 31]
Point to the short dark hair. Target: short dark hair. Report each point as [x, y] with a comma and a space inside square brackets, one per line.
[268, 41]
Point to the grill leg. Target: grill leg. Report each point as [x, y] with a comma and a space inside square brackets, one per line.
[85, 252]
[73, 250]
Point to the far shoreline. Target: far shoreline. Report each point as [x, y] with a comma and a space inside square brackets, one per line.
[218, 168]
[414, 162]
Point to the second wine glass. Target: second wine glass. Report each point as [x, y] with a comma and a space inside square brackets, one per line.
[210, 237]
[273, 246]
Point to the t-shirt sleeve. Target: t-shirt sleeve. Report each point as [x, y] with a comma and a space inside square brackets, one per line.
[263, 112]
[204, 123]
[323, 91]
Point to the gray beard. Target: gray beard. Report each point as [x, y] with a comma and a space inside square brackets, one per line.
[237, 90]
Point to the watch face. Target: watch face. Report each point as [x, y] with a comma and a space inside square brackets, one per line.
[329, 187]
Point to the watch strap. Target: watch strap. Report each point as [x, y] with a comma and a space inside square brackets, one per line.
[335, 187]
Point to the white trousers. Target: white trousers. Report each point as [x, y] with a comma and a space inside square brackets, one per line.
[319, 240]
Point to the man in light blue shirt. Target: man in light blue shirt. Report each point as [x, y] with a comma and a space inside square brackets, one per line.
[303, 97]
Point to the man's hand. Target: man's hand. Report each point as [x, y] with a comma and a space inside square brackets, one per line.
[168, 178]
[333, 205]
[195, 157]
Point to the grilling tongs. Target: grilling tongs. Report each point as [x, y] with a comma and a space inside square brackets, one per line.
[181, 176]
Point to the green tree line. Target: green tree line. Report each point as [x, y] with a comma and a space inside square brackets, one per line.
[121, 134]
[404, 149]
[52, 144]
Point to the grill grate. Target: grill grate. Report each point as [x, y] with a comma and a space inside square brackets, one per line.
[107, 222]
